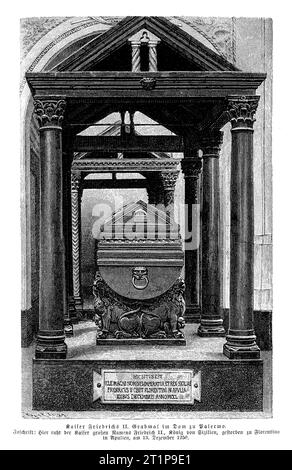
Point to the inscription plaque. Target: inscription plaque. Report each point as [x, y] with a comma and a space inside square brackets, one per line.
[147, 386]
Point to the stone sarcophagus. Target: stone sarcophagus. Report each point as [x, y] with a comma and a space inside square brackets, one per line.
[138, 289]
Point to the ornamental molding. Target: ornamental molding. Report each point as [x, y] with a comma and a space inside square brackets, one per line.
[52, 44]
[148, 83]
[178, 85]
[121, 165]
[241, 111]
[33, 29]
[169, 180]
[211, 143]
[191, 168]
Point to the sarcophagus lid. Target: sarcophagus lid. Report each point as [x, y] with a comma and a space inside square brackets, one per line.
[139, 253]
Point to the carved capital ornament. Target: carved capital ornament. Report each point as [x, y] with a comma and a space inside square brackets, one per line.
[169, 180]
[241, 111]
[148, 83]
[49, 111]
[191, 168]
[211, 144]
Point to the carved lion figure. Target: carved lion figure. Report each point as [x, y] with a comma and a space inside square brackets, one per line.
[162, 317]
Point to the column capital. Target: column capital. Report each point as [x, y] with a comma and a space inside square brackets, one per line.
[191, 168]
[241, 111]
[169, 179]
[191, 140]
[50, 110]
[210, 143]
[153, 42]
[134, 43]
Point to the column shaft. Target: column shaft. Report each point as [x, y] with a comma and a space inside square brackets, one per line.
[211, 321]
[241, 339]
[152, 58]
[192, 169]
[155, 190]
[71, 314]
[76, 238]
[136, 57]
[51, 339]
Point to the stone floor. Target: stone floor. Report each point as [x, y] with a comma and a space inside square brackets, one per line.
[82, 346]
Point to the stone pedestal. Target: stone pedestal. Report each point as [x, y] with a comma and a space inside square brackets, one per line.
[241, 339]
[50, 343]
[222, 385]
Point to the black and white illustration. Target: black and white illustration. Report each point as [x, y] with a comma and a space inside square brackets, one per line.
[146, 191]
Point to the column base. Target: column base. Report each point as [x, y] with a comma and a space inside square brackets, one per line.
[72, 314]
[211, 328]
[68, 327]
[78, 303]
[241, 347]
[51, 345]
[74, 319]
[193, 313]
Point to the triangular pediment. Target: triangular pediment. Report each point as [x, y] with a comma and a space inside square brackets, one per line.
[172, 41]
[138, 220]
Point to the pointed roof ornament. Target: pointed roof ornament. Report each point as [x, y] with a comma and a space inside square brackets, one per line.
[144, 36]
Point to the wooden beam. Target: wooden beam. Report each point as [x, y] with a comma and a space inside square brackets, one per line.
[137, 86]
[136, 143]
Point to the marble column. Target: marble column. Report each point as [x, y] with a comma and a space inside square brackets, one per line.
[71, 314]
[76, 240]
[155, 189]
[191, 167]
[135, 56]
[152, 56]
[123, 126]
[241, 339]
[50, 342]
[151, 192]
[211, 322]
